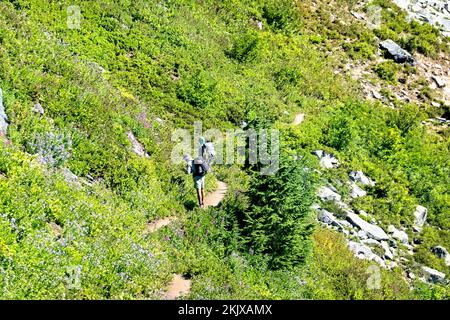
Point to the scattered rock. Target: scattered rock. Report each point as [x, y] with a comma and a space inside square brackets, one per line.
[3, 116]
[359, 176]
[138, 148]
[362, 235]
[327, 161]
[357, 192]
[345, 224]
[442, 253]
[439, 81]
[364, 252]
[420, 216]
[38, 109]
[395, 52]
[259, 24]
[401, 236]
[387, 250]
[328, 218]
[433, 275]
[376, 95]
[372, 230]
[435, 12]
[327, 194]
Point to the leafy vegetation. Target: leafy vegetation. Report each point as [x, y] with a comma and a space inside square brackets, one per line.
[75, 200]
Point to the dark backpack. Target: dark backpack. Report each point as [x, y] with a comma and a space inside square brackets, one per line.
[200, 166]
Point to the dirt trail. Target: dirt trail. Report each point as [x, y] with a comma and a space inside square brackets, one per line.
[180, 286]
[299, 117]
[213, 199]
[159, 223]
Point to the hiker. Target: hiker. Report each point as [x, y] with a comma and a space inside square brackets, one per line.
[206, 150]
[199, 168]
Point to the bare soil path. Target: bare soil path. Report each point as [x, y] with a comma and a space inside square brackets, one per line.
[180, 285]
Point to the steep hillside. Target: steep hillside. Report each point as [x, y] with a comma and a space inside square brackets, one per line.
[91, 92]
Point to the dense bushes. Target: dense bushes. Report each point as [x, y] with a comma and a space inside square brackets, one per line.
[134, 67]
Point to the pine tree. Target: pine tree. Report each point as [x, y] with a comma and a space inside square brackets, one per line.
[279, 221]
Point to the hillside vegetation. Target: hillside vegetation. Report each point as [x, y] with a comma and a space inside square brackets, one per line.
[75, 200]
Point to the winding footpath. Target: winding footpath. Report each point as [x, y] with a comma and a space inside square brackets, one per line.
[179, 285]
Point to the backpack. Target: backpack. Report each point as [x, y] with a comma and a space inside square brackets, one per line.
[200, 167]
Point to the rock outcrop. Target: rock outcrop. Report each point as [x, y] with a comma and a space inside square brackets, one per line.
[434, 12]
[327, 194]
[371, 230]
[433, 275]
[442, 253]
[420, 216]
[395, 52]
[360, 177]
[138, 148]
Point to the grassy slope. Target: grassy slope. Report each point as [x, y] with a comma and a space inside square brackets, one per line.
[182, 61]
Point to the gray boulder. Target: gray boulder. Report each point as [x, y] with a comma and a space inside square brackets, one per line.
[371, 230]
[442, 253]
[420, 216]
[401, 236]
[326, 194]
[3, 116]
[439, 81]
[433, 275]
[328, 218]
[138, 148]
[357, 192]
[38, 109]
[388, 254]
[360, 177]
[362, 235]
[395, 52]
[362, 251]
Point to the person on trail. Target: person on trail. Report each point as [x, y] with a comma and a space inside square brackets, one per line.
[199, 168]
[206, 150]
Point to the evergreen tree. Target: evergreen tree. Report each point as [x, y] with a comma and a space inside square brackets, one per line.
[279, 221]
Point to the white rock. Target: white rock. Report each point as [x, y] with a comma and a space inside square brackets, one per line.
[433, 275]
[442, 253]
[362, 235]
[326, 194]
[439, 81]
[372, 230]
[387, 250]
[359, 176]
[328, 218]
[138, 148]
[402, 236]
[357, 192]
[420, 216]
[38, 109]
